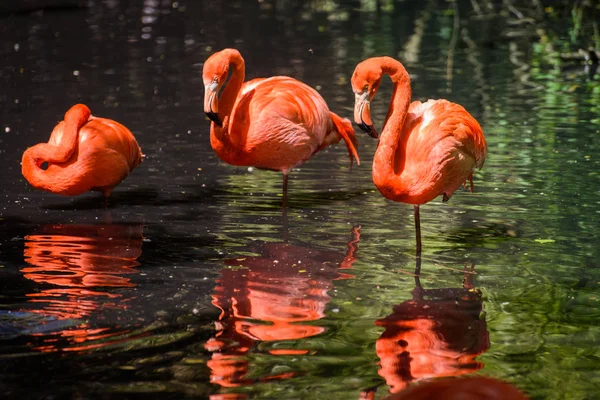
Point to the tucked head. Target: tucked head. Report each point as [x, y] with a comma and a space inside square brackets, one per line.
[365, 82]
[214, 75]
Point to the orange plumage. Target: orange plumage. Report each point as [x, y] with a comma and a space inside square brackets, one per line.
[274, 123]
[84, 153]
[426, 149]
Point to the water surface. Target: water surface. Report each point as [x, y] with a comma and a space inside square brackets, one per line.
[191, 282]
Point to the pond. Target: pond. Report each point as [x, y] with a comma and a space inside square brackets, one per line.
[192, 283]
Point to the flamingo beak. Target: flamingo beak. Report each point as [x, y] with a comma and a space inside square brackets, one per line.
[211, 102]
[362, 114]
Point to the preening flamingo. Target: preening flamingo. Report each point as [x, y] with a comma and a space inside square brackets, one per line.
[84, 153]
[274, 123]
[425, 149]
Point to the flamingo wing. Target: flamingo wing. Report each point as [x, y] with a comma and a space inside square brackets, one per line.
[444, 144]
[282, 100]
[104, 133]
[283, 121]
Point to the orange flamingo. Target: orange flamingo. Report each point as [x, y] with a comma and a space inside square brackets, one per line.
[425, 149]
[84, 153]
[273, 123]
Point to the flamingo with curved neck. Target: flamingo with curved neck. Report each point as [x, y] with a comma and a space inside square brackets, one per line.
[83, 153]
[274, 123]
[425, 149]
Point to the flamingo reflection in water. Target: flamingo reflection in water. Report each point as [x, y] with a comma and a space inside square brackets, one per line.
[465, 388]
[437, 333]
[271, 298]
[80, 262]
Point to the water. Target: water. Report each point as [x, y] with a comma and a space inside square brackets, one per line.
[191, 283]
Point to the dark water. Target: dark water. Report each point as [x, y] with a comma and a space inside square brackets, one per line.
[192, 284]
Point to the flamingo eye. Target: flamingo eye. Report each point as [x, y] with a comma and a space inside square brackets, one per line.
[216, 79]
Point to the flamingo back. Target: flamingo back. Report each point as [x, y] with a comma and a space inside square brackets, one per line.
[282, 122]
[444, 144]
[103, 133]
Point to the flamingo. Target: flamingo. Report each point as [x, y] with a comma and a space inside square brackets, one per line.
[84, 153]
[425, 149]
[274, 123]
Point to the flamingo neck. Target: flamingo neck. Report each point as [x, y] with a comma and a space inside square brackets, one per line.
[229, 96]
[32, 161]
[388, 163]
[64, 141]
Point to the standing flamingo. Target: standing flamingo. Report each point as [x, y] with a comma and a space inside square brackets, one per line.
[84, 153]
[425, 149]
[274, 123]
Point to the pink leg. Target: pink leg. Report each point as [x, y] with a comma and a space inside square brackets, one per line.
[418, 228]
[285, 185]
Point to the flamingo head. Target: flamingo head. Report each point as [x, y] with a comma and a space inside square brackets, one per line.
[214, 75]
[365, 82]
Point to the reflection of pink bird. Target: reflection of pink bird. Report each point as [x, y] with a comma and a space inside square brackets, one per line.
[472, 388]
[274, 123]
[76, 265]
[426, 149]
[276, 296]
[84, 153]
[437, 333]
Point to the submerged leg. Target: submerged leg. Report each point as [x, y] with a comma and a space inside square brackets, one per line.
[106, 193]
[471, 182]
[418, 228]
[285, 185]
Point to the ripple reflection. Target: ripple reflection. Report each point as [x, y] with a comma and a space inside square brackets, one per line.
[438, 333]
[80, 263]
[272, 297]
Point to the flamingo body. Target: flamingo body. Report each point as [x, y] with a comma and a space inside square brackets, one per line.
[275, 123]
[443, 145]
[83, 153]
[425, 149]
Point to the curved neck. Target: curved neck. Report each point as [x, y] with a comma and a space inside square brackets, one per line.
[31, 167]
[62, 144]
[389, 157]
[230, 92]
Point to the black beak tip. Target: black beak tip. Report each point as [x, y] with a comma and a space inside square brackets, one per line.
[214, 117]
[368, 129]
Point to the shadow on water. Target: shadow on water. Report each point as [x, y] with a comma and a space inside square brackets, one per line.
[197, 195]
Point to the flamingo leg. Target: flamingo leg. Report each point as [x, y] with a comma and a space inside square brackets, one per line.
[468, 277]
[471, 182]
[106, 193]
[285, 185]
[418, 229]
